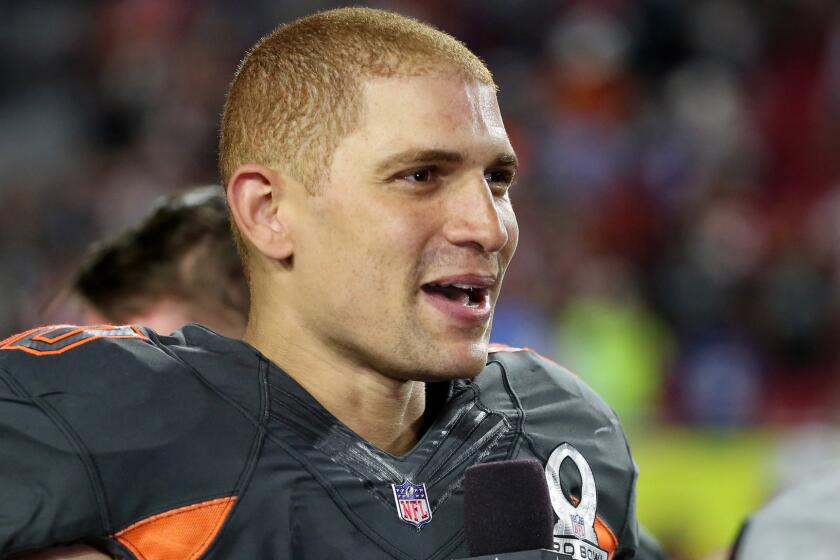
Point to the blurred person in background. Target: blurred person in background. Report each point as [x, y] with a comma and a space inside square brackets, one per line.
[178, 266]
[801, 521]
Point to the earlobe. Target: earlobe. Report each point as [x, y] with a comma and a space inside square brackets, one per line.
[255, 195]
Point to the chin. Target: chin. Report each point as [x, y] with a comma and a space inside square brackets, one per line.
[462, 362]
[436, 359]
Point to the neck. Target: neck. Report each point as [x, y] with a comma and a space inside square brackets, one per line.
[386, 412]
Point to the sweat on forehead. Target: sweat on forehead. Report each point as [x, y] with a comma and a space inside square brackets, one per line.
[298, 92]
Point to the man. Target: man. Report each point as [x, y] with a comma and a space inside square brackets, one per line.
[179, 265]
[368, 173]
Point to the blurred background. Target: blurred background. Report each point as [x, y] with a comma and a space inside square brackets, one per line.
[679, 202]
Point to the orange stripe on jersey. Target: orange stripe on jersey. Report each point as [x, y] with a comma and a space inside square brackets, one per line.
[25, 340]
[496, 347]
[74, 330]
[184, 533]
[18, 336]
[606, 538]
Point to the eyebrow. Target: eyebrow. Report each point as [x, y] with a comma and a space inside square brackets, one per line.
[414, 157]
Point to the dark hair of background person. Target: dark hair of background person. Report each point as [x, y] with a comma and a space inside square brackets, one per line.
[180, 258]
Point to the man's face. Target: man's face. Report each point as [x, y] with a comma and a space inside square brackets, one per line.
[399, 258]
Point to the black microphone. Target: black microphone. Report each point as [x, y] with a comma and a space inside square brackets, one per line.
[507, 512]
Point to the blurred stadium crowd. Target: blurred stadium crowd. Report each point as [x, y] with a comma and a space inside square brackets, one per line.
[679, 197]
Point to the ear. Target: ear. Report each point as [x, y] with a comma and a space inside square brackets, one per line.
[255, 196]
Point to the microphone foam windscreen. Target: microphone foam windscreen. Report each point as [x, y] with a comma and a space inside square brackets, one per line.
[507, 508]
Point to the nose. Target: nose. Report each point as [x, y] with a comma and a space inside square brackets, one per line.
[476, 219]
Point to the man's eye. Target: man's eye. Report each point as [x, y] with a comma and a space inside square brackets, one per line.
[420, 176]
[499, 178]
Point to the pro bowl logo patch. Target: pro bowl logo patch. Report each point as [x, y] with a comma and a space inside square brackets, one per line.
[412, 503]
[575, 533]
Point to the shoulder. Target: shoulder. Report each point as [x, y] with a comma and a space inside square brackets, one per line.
[95, 376]
[110, 359]
[803, 517]
[539, 380]
[57, 357]
[556, 406]
[560, 417]
[137, 406]
[85, 359]
[54, 340]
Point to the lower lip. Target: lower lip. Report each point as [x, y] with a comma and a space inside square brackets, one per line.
[465, 314]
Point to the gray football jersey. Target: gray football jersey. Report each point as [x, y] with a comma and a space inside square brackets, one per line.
[197, 446]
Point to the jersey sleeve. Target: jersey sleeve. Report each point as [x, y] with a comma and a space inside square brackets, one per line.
[46, 493]
[105, 430]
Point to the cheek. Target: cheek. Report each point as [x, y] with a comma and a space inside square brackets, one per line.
[373, 245]
[401, 232]
[368, 253]
[395, 248]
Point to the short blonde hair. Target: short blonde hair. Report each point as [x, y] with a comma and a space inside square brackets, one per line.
[297, 93]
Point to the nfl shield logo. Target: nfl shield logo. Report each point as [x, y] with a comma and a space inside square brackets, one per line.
[412, 503]
[577, 526]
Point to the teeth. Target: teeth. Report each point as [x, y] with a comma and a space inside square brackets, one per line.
[471, 295]
[459, 286]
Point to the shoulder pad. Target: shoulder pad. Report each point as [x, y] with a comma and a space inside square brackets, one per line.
[64, 357]
[558, 411]
[522, 364]
[554, 400]
[159, 434]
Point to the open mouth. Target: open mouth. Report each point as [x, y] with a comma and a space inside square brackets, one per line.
[467, 295]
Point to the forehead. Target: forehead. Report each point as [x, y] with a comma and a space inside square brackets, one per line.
[431, 112]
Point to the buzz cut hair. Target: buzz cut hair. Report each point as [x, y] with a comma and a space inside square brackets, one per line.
[298, 91]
